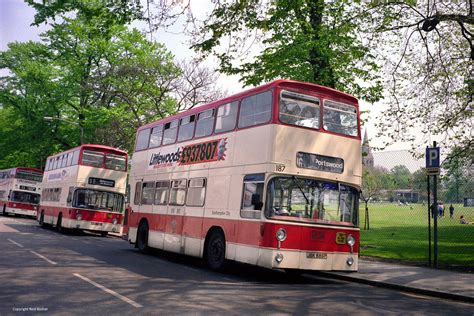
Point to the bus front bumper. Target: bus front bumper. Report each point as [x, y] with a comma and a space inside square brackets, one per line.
[308, 260]
[92, 226]
[19, 211]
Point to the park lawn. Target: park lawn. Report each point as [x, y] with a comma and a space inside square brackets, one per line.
[401, 232]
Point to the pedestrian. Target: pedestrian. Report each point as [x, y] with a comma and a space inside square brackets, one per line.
[451, 211]
[440, 209]
[462, 220]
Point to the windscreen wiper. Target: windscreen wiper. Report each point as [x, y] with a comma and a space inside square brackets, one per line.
[302, 192]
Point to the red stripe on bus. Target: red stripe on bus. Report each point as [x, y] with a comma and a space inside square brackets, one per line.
[23, 206]
[87, 215]
[252, 233]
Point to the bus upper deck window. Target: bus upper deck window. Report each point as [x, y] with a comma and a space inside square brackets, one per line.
[256, 109]
[142, 139]
[299, 109]
[92, 158]
[226, 117]
[205, 123]
[186, 129]
[156, 136]
[170, 132]
[340, 118]
[116, 162]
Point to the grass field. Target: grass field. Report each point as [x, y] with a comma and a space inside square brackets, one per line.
[401, 232]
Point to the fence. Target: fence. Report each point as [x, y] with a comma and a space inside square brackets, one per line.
[397, 222]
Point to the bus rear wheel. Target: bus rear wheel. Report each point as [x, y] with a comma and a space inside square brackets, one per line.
[103, 234]
[4, 212]
[142, 237]
[215, 250]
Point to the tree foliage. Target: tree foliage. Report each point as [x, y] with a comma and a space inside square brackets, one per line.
[429, 54]
[92, 72]
[309, 40]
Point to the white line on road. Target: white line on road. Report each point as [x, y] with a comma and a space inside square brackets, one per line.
[14, 242]
[103, 288]
[43, 257]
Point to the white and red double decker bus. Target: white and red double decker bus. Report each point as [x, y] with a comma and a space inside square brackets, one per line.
[270, 177]
[20, 190]
[84, 188]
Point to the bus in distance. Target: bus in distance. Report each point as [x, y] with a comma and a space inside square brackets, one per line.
[20, 190]
[270, 177]
[84, 189]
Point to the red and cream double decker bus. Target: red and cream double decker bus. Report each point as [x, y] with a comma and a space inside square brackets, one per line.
[270, 177]
[20, 190]
[84, 188]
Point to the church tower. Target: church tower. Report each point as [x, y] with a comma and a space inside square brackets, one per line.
[367, 156]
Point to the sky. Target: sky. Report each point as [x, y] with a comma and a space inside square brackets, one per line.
[15, 25]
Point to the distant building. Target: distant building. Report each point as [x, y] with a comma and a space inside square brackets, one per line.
[367, 156]
[407, 196]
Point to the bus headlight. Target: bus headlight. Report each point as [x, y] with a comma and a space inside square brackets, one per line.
[79, 216]
[280, 234]
[114, 221]
[351, 240]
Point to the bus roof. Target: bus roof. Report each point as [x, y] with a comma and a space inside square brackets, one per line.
[275, 83]
[92, 147]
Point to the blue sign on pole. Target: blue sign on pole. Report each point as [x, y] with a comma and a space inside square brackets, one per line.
[432, 157]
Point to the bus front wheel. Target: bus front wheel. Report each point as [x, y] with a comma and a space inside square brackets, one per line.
[41, 220]
[215, 250]
[142, 238]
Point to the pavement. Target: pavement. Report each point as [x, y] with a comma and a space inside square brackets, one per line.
[420, 280]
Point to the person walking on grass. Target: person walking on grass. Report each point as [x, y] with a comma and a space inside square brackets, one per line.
[451, 211]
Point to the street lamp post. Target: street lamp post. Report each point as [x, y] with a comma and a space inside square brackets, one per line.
[50, 119]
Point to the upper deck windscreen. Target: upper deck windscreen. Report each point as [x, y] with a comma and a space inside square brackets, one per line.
[29, 175]
[305, 110]
[101, 159]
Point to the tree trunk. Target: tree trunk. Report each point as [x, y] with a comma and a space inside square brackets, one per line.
[366, 223]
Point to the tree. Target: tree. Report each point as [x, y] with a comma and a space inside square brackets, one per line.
[401, 176]
[91, 69]
[372, 185]
[308, 40]
[457, 182]
[420, 184]
[429, 54]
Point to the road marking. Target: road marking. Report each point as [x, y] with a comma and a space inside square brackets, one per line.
[14, 242]
[103, 288]
[43, 257]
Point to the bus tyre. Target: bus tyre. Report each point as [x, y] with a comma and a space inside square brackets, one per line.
[41, 220]
[215, 250]
[4, 212]
[103, 234]
[142, 237]
[59, 224]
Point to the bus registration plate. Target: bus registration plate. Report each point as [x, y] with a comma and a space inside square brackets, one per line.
[340, 238]
[316, 255]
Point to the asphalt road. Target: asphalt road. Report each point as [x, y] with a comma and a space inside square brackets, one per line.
[45, 272]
